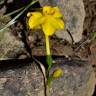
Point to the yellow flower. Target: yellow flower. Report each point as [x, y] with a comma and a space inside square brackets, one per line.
[49, 19]
[57, 73]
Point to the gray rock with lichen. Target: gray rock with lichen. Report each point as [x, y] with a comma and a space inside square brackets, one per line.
[73, 15]
[21, 81]
[77, 79]
[9, 45]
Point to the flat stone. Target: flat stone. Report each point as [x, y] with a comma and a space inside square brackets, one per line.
[77, 79]
[74, 14]
[26, 79]
[10, 46]
[21, 81]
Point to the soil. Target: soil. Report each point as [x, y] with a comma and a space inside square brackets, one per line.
[85, 49]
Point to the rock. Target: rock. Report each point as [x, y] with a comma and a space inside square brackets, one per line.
[90, 19]
[43, 2]
[77, 79]
[61, 50]
[9, 45]
[26, 79]
[74, 14]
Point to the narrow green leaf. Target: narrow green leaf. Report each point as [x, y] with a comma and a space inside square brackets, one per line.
[49, 61]
[49, 81]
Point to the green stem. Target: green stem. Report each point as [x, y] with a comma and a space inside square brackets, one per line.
[48, 58]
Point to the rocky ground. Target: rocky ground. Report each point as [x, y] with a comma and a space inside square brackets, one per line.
[19, 74]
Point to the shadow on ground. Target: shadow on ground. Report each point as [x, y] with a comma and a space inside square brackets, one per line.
[19, 63]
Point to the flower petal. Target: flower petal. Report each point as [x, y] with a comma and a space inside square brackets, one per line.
[60, 24]
[35, 14]
[56, 23]
[57, 13]
[35, 20]
[48, 29]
